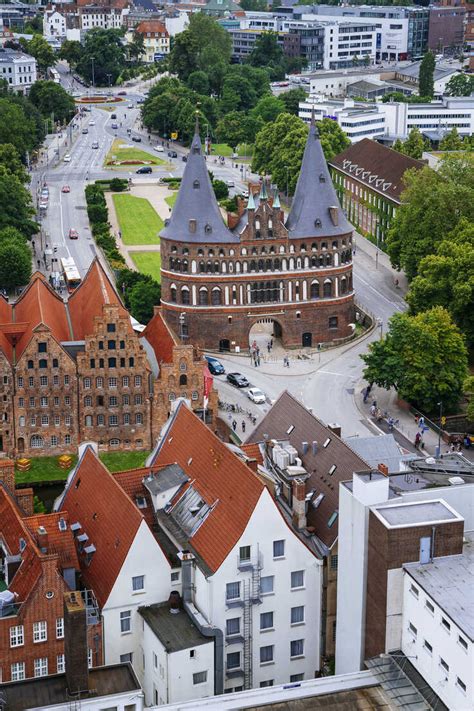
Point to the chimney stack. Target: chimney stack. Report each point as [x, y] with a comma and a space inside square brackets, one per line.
[334, 427]
[383, 468]
[7, 474]
[333, 212]
[299, 503]
[75, 643]
[42, 538]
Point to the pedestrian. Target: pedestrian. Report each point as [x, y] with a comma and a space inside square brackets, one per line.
[373, 410]
[268, 347]
[374, 404]
[258, 361]
[369, 388]
[417, 417]
[255, 361]
[365, 394]
[452, 447]
[258, 351]
[271, 343]
[234, 425]
[38, 263]
[243, 425]
[33, 244]
[417, 440]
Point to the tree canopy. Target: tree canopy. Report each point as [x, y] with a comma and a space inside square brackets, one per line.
[15, 263]
[71, 52]
[50, 98]
[452, 141]
[446, 278]
[424, 357]
[426, 75]
[15, 200]
[103, 55]
[203, 45]
[413, 146]
[39, 48]
[11, 161]
[16, 126]
[432, 204]
[460, 85]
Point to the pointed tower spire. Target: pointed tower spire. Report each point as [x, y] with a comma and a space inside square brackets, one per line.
[250, 202]
[315, 211]
[276, 200]
[196, 216]
[313, 120]
[263, 190]
[196, 125]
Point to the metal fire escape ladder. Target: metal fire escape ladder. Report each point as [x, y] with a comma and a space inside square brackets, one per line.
[247, 634]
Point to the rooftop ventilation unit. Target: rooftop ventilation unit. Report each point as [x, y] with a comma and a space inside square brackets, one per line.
[89, 550]
[314, 447]
[75, 527]
[305, 447]
[62, 525]
[292, 452]
[83, 537]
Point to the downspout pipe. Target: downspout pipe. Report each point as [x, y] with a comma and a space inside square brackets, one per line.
[199, 620]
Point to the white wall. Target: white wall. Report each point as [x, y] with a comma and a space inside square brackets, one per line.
[127, 701]
[266, 526]
[445, 644]
[175, 25]
[460, 498]
[393, 628]
[172, 674]
[145, 557]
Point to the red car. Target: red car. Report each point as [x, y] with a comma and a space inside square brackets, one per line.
[65, 189]
[73, 234]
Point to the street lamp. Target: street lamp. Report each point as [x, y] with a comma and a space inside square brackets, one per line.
[380, 325]
[377, 235]
[109, 77]
[93, 74]
[438, 448]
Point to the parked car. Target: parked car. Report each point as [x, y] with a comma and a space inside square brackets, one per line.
[95, 144]
[85, 130]
[184, 159]
[237, 379]
[159, 149]
[215, 366]
[73, 234]
[43, 204]
[230, 183]
[65, 189]
[140, 101]
[113, 116]
[114, 125]
[45, 193]
[131, 106]
[67, 158]
[91, 123]
[256, 395]
[122, 93]
[137, 139]
[144, 169]
[172, 154]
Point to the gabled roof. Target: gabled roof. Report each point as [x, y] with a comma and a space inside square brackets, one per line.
[229, 488]
[160, 337]
[377, 166]
[87, 300]
[314, 195]
[196, 216]
[39, 304]
[107, 515]
[131, 482]
[288, 412]
[5, 321]
[152, 26]
[15, 534]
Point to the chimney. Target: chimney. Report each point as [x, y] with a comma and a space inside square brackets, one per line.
[383, 468]
[42, 538]
[334, 427]
[75, 643]
[7, 474]
[299, 503]
[192, 226]
[24, 498]
[333, 212]
[314, 447]
[305, 447]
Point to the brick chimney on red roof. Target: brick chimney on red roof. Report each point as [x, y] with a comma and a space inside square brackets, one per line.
[299, 503]
[7, 474]
[75, 643]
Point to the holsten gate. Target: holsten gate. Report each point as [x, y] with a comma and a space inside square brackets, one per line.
[219, 279]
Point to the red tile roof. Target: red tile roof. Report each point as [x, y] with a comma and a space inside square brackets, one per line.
[252, 451]
[220, 477]
[59, 541]
[12, 529]
[87, 300]
[39, 304]
[160, 337]
[5, 320]
[153, 26]
[110, 520]
[132, 483]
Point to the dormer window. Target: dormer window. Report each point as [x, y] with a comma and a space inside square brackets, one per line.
[196, 185]
[196, 150]
[208, 229]
[317, 222]
[322, 178]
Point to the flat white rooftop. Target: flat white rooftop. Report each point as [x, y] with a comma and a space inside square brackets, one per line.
[416, 514]
[449, 581]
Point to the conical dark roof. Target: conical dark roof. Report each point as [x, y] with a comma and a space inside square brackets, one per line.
[196, 216]
[310, 215]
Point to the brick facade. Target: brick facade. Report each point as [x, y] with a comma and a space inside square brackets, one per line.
[6, 405]
[389, 549]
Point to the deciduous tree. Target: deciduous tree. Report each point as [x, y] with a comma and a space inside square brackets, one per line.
[103, 55]
[15, 199]
[424, 357]
[143, 297]
[11, 161]
[452, 141]
[426, 75]
[15, 264]
[41, 51]
[460, 85]
[50, 98]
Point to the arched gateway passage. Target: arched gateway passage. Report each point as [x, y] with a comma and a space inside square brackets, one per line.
[263, 332]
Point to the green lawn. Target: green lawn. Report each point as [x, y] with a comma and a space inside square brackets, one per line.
[47, 468]
[123, 151]
[222, 149]
[139, 222]
[171, 199]
[148, 263]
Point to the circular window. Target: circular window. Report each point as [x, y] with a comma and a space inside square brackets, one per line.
[50, 594]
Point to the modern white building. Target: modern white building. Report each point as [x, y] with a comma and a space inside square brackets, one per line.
[18, 70]
[438, 625]
[394, 119]
[384, 538]
[70, 21]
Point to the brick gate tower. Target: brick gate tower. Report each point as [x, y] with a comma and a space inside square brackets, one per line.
[219, 280]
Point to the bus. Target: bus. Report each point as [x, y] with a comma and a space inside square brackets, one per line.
[54, 75]
[70, 272]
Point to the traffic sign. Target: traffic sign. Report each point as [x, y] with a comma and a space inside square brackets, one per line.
[174, 135]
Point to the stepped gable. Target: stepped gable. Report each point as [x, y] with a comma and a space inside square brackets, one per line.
[223, 481]
[310, 214]
[86, 302]
[160, 337]
[39, 304]
[111, 521]
[196, 216]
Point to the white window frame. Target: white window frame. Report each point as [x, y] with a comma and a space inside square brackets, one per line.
[126, 622]
[40, 631]
[17, 671]
[59, 627]
[136, 586]
[40, 666]
[17, 636]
